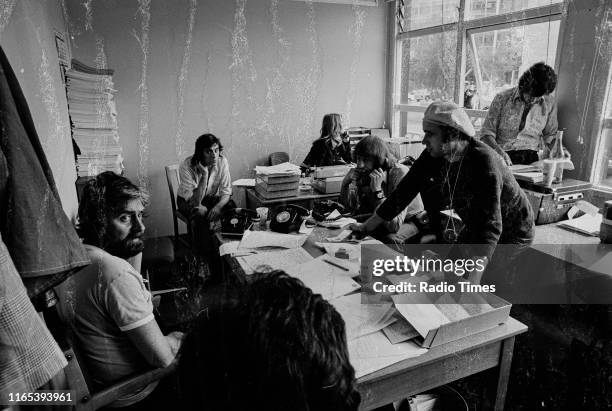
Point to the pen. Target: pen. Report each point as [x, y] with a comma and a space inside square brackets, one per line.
[335, 265]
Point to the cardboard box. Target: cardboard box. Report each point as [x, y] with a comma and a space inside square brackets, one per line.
[550, 204]
[328, 185]
[481, 312]
[331, 171]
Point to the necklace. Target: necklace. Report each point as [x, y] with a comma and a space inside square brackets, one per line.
[450, 233]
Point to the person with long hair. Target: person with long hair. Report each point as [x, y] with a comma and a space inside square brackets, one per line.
[204, 190]
[523, 119]
[332, 147]
[377, 175]
[271, 344]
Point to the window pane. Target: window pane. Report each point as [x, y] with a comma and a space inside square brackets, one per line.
[418, 14]
[605, 174]
[428, 68]
[497, 58]
[484, 8]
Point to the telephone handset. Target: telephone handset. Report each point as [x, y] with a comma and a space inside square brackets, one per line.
[324, 208]
[286, 218]
[237, 220]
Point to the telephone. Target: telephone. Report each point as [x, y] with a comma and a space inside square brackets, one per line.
[286, 218]
[236, 220]
[325, 207]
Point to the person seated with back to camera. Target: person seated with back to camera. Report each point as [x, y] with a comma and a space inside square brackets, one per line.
[332, 147]
[106, 305]
[204, 190]
[377, 175]
[271, 345]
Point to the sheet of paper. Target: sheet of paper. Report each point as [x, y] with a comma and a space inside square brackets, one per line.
[374, 352]
[274, 260]
[400, 331]
[244, 182]
[339, 223]
[363, 319]
[352, 269]
[587, 207]
[231, 247]
[257, 239]
[423, 317]
[319, 276]
[586, 224]
[343, 236]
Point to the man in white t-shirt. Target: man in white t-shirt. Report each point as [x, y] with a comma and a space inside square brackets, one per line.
[204, 191]
[107, 305]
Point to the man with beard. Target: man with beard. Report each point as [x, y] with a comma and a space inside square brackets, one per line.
[107, 305]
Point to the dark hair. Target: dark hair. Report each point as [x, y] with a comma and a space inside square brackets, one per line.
[102, 198]
[331, 125]
[202, 143]
[538, 80]
[271, 345]
[375, 149]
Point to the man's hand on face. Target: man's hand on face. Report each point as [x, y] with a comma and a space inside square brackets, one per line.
[376, 179]
[201, 168]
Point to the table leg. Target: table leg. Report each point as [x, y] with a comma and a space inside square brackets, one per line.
[504, 372]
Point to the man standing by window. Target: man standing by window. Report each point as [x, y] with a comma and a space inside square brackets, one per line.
[523, 119]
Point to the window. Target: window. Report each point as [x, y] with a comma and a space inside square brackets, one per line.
[602, 172]
[467, 56]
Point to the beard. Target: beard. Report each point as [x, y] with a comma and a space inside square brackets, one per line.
[126, 248]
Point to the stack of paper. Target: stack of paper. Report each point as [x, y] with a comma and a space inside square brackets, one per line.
[93, 115]
[281, 180]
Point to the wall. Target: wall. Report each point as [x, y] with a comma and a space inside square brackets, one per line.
[27, 37]
[259, 74]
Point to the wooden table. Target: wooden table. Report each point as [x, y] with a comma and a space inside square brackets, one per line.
[305, 199]
[440, 365]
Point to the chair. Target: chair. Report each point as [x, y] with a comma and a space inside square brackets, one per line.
[172, 176]
[278, 158]
[76, 379]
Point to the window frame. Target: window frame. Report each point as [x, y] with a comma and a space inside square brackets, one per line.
[535, 15]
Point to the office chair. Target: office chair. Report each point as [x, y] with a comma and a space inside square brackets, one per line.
[278, 158]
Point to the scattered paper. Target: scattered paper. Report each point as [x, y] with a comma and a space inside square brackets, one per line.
[257, 239]
[273, 260]
[244, 182]
[349, 268]
[363, 319]
[231, 247]
[374, 352]
[319, 276]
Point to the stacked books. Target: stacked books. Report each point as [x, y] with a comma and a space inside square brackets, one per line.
[281, 180]
[528, 173]
[93, 115]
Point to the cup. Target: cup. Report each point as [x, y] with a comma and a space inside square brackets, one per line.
[549, 168]
[262, 212]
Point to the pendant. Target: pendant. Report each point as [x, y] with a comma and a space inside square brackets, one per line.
[449, 235]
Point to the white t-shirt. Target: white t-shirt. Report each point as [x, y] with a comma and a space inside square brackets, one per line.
[102, 302]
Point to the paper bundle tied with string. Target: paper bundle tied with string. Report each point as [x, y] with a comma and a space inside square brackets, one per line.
[557, 160]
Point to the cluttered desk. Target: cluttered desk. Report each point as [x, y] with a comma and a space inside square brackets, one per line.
[389, 362]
